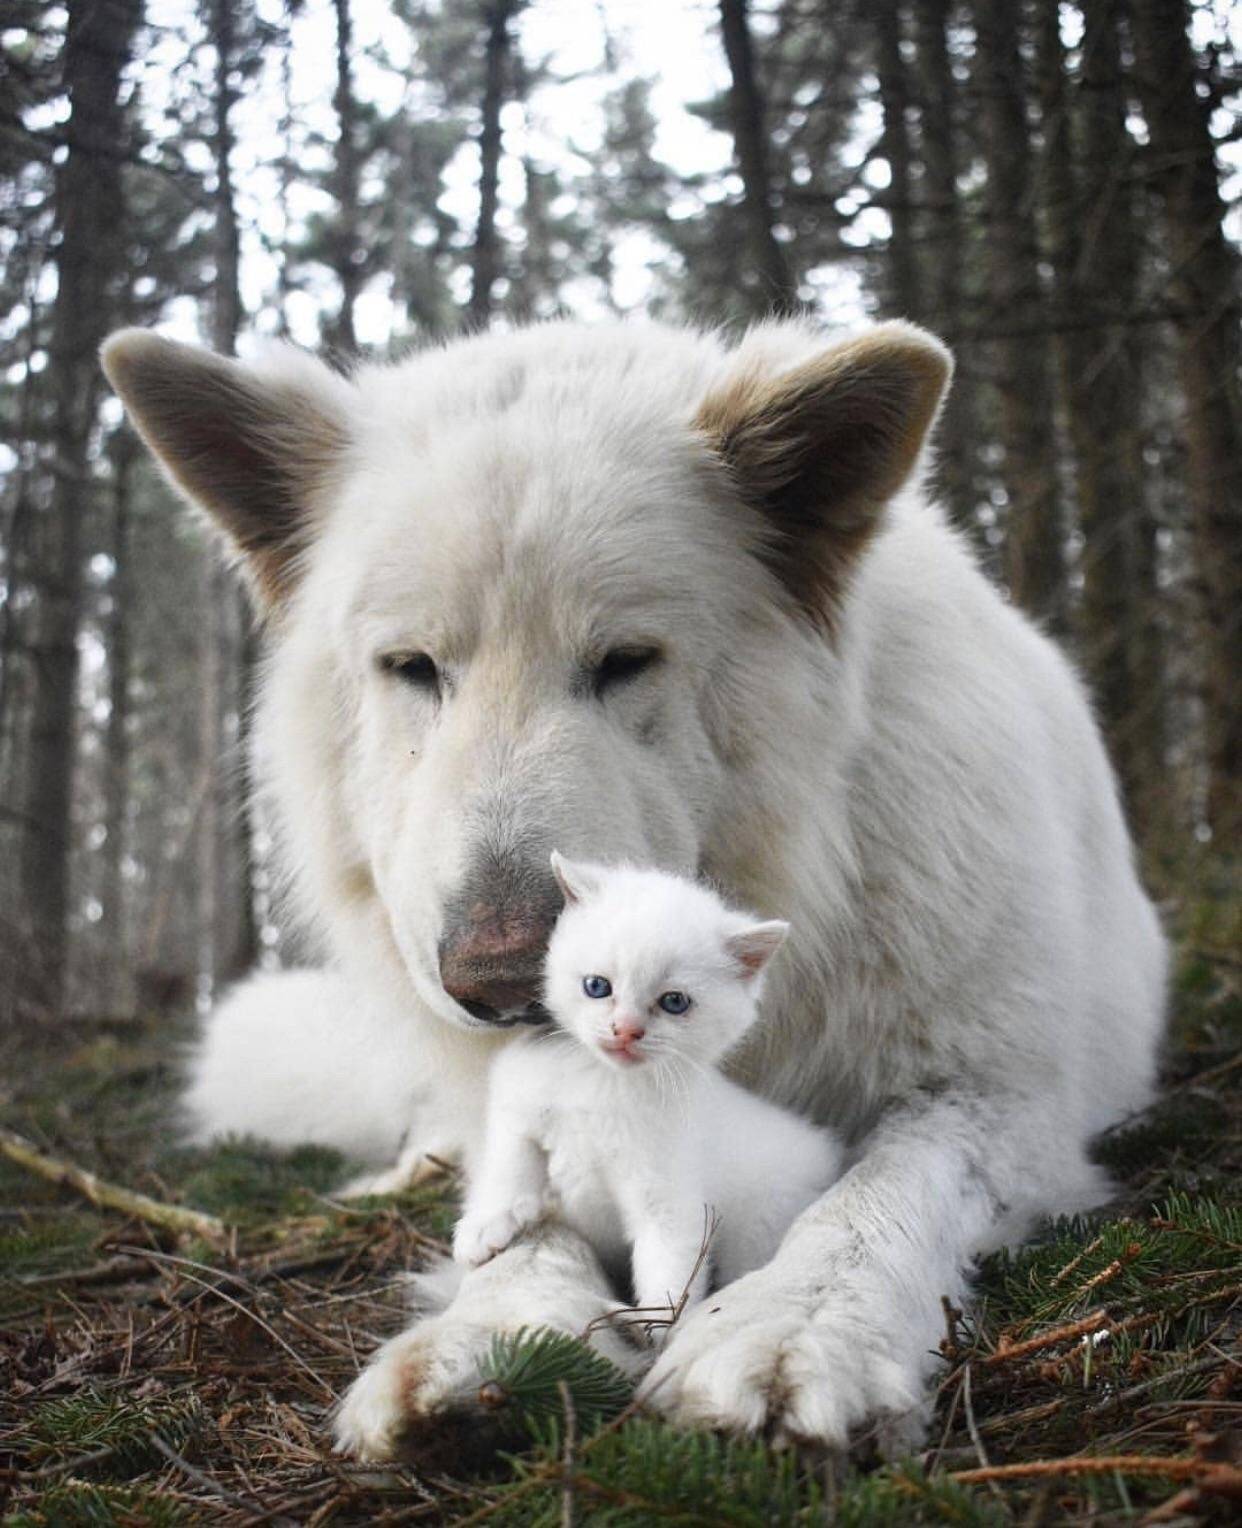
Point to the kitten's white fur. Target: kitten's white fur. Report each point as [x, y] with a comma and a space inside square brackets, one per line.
[639, 1143]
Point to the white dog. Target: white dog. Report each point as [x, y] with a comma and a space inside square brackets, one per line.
[634, 594]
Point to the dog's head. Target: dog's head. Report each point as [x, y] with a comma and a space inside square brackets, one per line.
[532, 590]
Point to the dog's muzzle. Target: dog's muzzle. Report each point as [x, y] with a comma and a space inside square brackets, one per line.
[493, 967]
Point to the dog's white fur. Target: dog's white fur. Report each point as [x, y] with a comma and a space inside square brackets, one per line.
[974, 985]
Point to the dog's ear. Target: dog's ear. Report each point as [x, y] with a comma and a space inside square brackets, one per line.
[257, 447]
[820, 450]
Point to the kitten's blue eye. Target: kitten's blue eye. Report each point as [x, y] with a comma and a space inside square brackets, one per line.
[674, 1002]
[597, 986]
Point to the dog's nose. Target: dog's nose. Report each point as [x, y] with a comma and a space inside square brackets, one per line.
[494, 938]
[493, 966]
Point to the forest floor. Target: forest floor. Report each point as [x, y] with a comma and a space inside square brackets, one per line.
[150, 1376]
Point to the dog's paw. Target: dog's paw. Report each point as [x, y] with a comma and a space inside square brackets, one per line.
[429, 1369]
[434, 1369]
[479, 1237]
[751, 1359]
[408, 1173]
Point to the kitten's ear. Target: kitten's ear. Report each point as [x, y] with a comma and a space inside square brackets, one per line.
[753, 947]
[576, 880]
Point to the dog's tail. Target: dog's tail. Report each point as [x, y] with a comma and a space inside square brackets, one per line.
[294, 1057]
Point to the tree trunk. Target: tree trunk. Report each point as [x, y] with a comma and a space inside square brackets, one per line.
[17, 534]
[775, 290]
[486, 264]
[345, 185]
[287, 176]
[1034, 533]
[1204, 286]
[902, 275]
[228, 938]
[98, 37]
[226, 295]
[945, 258]
[1093, 242]
[116, 738]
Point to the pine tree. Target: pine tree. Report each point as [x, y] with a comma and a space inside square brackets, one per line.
[769, 281]
[98, 40]
[1034, 528]
[1203, 285]
[943, 249]
[902, 286]
[497, 17]
[348, 255]
[1094, 244]
[123, 451]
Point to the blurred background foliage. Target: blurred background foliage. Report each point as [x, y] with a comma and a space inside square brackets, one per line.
[1052, 187]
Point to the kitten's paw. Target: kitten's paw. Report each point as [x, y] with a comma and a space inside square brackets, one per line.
[752, 1359]
[479, 1237]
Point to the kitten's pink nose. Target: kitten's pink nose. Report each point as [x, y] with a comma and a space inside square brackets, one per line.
[628, 1031]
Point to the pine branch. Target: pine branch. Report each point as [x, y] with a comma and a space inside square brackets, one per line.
[526, 1370]
[77, 1434]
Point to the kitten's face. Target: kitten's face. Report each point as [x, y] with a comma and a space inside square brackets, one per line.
[646, 969]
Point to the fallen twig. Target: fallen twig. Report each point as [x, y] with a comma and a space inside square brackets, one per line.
[1220, 1479]
[1006, 1351]
[568, 1514]
[109, 1196]
[248, 1504]
[1075, 1262]
[112, 1270]
[186, 1267]
[972, 1426]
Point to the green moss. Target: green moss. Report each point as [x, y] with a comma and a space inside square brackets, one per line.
[245, 1182]
[47, 1244]
[432, 1206]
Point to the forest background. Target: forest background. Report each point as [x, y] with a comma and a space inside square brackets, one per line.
[1051, 187]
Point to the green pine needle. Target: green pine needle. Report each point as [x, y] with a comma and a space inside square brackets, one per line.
[1170, 1262]
[102, 1434]
[647, 1472]
[525, 1370]
[84, 1504]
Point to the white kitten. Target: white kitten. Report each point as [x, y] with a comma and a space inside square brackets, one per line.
[617, 1121]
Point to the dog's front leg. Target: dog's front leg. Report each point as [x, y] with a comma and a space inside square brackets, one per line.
[550, 1277]
[841, 1328]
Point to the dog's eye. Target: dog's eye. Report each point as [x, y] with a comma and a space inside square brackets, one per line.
[415, 669]
[597, 986]
[674, 1002]
[621, 665]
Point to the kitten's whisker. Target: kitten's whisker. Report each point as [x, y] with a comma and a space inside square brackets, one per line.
[679, 1081]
